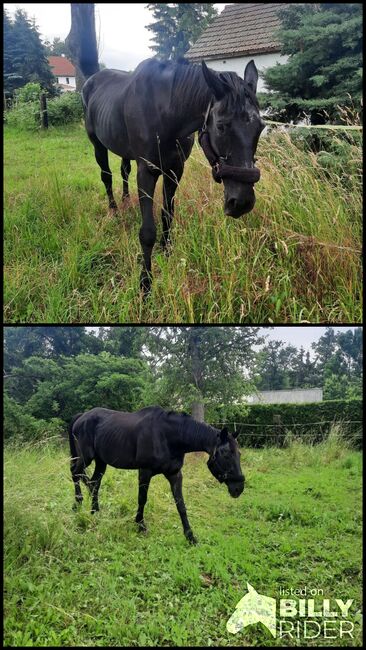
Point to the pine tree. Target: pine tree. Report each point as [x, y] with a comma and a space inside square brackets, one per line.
[177, 26]
[324, 69]
[25, 57]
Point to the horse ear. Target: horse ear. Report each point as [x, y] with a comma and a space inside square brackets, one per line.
[251, 75]
[214, 82]
[235, 434]
[224, 434]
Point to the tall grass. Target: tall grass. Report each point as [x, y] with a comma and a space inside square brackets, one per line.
[77, 579]
[295, 258]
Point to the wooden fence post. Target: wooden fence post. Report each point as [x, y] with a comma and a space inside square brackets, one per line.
[44, 114]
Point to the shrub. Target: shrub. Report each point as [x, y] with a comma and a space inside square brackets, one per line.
[65, 109]
[28, 93]
[61, 110]
[20, 426]
[267, 424]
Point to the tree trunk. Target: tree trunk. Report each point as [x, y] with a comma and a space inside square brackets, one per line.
[82, 42]
[198, 411]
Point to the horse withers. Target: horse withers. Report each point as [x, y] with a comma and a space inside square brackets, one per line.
[154, 441]
[151, 115]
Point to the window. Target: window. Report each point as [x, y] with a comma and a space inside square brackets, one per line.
[67, 80]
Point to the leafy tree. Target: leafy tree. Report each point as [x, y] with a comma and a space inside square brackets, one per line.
[56, 48]
[46, 341]
[271, 367]
[72, 384]
[350, 345]
[199, 366]
[25, 58]
[177, 26]
[324, 69]
[125, 341]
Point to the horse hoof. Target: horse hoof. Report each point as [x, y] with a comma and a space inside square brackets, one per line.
[145, 286]
[165, 246]
[192, 539]
[142, 528]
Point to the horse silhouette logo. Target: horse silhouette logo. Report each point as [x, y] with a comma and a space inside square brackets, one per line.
[253, 608]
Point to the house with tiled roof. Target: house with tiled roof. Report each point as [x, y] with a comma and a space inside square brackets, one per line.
[243, 31]
[64, 72]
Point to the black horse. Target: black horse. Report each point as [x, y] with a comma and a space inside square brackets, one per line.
[153, 441]
[151, 115]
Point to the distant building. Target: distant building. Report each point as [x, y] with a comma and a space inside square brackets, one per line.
[64, 72]
[288, 396]
[243, 31]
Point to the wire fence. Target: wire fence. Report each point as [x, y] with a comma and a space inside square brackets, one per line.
[339, 127]
[309, 431]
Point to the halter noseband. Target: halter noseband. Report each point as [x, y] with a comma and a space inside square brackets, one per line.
[220, 169]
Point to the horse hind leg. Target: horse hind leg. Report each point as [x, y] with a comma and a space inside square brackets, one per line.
[78, 472]
[94, 483]
[125, 172]
[101, 156]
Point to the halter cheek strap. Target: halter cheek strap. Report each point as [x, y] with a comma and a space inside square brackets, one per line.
[220, 169]
[222, 475]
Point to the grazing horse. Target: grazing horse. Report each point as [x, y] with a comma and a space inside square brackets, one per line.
[153, 441]
[151, 115]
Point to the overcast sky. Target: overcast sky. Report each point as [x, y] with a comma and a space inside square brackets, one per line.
[121, 29]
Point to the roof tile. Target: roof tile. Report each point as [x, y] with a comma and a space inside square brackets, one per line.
[240, 29]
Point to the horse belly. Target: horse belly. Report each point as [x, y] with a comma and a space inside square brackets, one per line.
[117, 450]
[107, 123]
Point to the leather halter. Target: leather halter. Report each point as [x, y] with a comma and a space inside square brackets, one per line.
[221, 475]
[220, 169]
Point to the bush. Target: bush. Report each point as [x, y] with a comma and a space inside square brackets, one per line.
[339, 152]
[20, 426]
[65, 109]
[28, 93]
[270, 424]
[61, 110]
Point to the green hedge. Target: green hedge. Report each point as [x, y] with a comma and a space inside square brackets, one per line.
[255, 423]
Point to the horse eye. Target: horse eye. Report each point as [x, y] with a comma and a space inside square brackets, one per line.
[221, 128]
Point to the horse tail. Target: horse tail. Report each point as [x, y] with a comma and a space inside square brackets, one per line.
[73, 449]
[82, 41]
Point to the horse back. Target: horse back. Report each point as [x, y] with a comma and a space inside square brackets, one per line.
[125, 440]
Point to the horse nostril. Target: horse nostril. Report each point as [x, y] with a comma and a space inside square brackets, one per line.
[231, 204]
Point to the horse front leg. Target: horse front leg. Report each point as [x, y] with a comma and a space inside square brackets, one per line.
[125, 171]
[175, 481]
[144, 482]
[146, 181]
[171, 181]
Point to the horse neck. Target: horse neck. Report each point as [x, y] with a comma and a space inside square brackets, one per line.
[197, 436]
[190, 98]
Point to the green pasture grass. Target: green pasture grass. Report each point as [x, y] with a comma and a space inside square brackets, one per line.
[295, 258]
[77, 579]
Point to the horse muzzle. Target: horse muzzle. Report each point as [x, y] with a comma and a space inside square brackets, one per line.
[235, 488]
[236, 208]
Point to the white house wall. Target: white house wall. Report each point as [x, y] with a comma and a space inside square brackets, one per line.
[290, 396]
[237, 64]
[62, 80]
